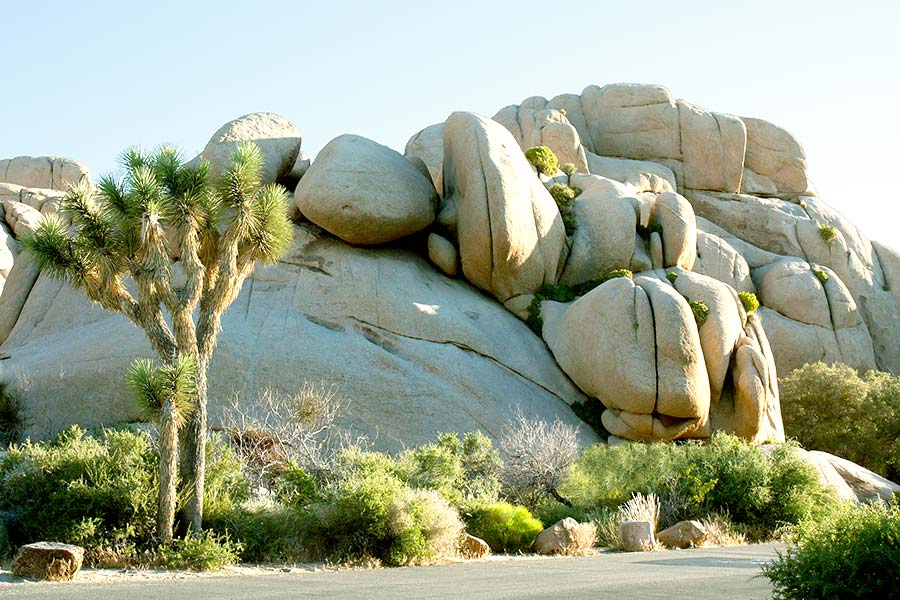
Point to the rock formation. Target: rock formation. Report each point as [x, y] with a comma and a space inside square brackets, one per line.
[635, 264]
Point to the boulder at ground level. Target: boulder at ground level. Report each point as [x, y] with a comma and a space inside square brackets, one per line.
[683, 534]
[50, 561]
[867, 486]
[566, 536]
[472, 547]
[636, 536]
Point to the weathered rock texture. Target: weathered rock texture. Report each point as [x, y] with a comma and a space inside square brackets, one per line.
[48, 561]
[699, 205]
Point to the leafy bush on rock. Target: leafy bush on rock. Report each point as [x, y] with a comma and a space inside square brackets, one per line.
[827, 232]
[750, 301]
[543, 159]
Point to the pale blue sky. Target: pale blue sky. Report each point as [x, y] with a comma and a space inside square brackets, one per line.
[88, 79]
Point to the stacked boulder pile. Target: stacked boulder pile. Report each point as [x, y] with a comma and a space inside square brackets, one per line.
[617, 245]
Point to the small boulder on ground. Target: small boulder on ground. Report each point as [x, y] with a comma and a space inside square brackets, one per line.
[49, 561]
[635, 536]
[683, 534]
[567, 536]
[473, 547]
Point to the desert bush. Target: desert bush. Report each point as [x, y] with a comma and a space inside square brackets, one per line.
[750, 301]
[543, 159]
[536, 456]
[834, 409]
[583, 288]
[641, 508]
[505, 527]
[93, 490]
[569, 169]
[206, 552]
[671, 276]
[98, 491]
[852, 552]
[279, 428]
[692, 480]
[461, 470]
[821, 275]
[564, 195]
[266, 532]
[9, 415]
[700, 310]
[371, 515]
[827, 232]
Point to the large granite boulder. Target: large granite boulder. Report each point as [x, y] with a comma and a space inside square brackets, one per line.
[510, 233]
[277, 138]
[365, 193]
[45, 172]
[533, 124]
[415, 352]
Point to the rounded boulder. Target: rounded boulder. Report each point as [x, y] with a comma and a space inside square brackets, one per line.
[365, 193]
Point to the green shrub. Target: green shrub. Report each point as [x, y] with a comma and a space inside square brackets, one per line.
[208, 552]
[851, 552]
[461, 470]
[80, 488]
[833, 409]
[583, 288]
[99, 491]
[505, 527]
[750, 301]
[821, 275]
[543, 159]
[564, 195]
[266, 532]
[226, 486]
[827, 232]
[671, 276]
[700, 310]
[569, 169]
[655, 228]
[692, 480]
[9, 416]
[295, 487]
[372, 515]
[535, 321]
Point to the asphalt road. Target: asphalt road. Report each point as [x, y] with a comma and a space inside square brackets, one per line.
[699, 574]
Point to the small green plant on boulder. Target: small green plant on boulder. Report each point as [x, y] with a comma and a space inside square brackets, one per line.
[505, 527]
[569, 169]
[827, 232]
[565, 195]
[543, 159]
[700, 310]
[821, 275]
[583, 288]
[672, 276]
[645, 232]
[750, 301]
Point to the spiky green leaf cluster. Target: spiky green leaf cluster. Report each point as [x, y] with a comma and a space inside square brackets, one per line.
[821, 275]
[750, 301]
[543, 159]
[153, 386]
[569, 169]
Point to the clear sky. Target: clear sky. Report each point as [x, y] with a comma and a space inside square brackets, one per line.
[88, 79]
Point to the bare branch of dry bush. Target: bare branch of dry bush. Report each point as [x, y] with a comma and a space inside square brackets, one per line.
[278, 428]
[536, 458]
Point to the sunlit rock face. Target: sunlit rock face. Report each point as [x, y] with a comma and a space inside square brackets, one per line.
[409, 278]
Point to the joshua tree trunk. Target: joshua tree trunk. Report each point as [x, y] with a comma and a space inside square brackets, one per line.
[168, 470]
[193, 462]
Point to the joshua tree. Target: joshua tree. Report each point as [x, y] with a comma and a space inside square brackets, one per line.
[165, 394]
[125, 231]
